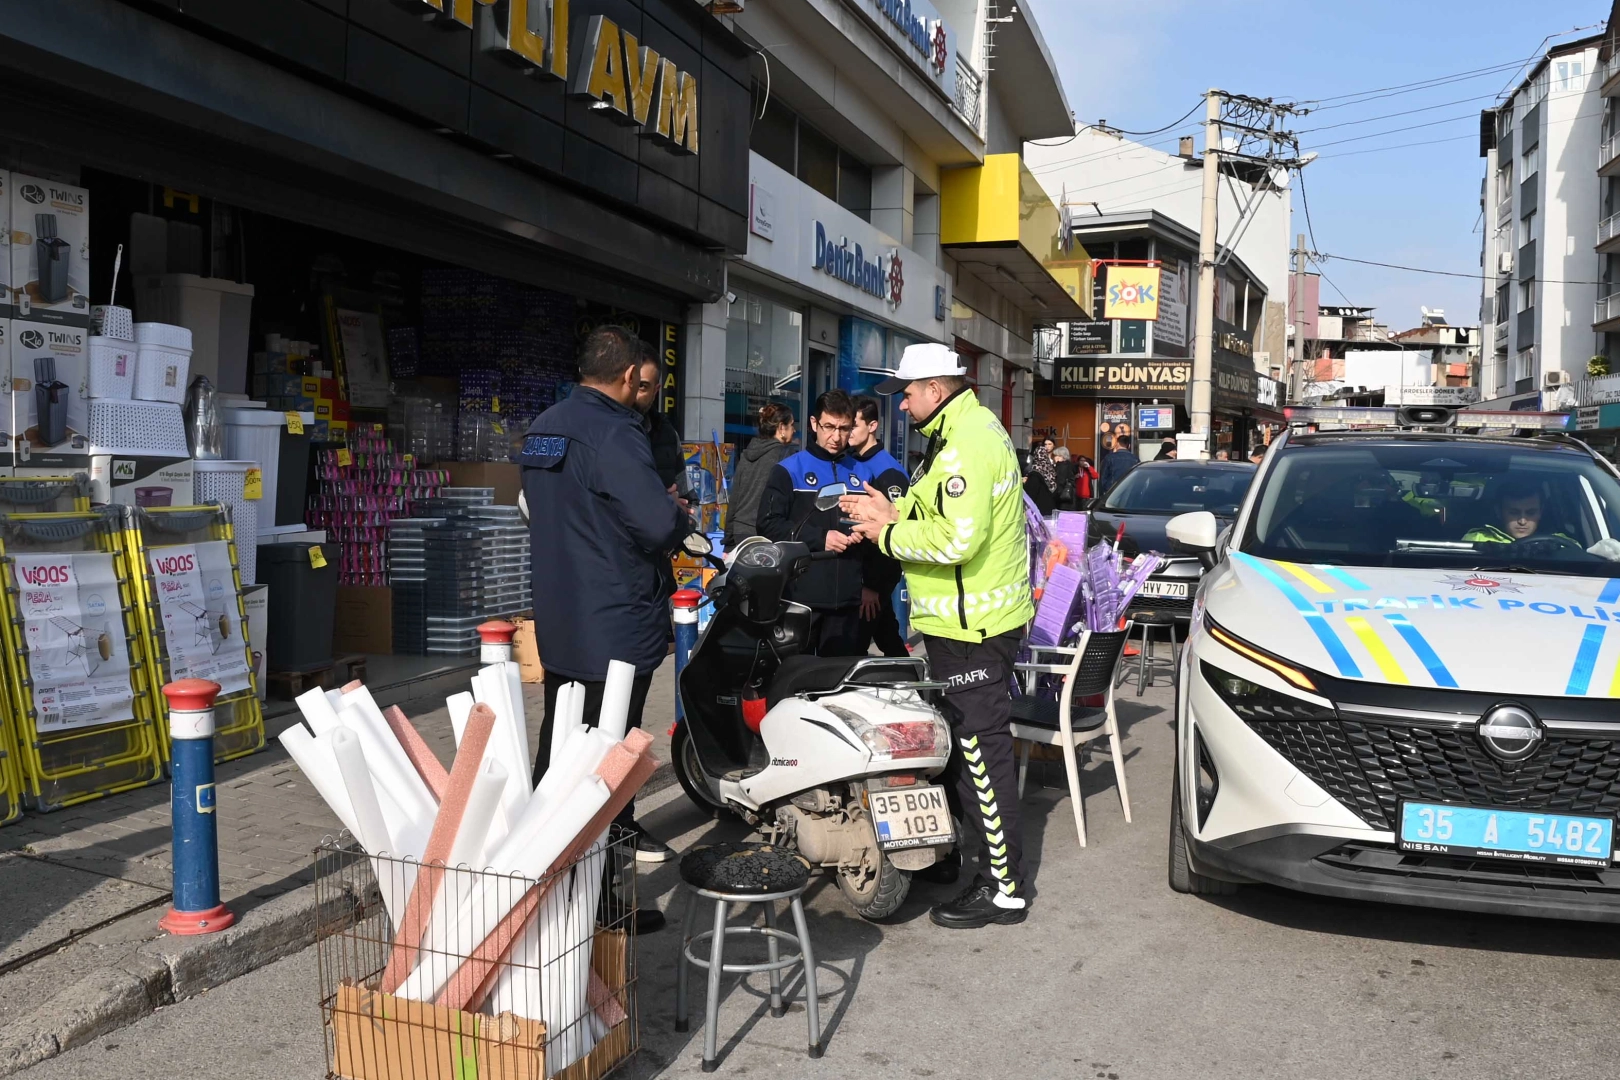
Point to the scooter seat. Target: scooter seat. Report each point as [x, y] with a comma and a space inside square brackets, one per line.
[808, 675]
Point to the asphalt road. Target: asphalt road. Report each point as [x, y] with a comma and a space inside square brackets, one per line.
[1113, 977]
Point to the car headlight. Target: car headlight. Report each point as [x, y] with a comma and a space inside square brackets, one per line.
[1257, 704]
[900, 740]
[1260, 656]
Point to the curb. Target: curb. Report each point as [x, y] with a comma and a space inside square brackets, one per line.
[167, 970]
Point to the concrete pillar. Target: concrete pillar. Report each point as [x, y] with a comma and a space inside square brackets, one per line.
[704, 356]
[892, 201]
[925, 226]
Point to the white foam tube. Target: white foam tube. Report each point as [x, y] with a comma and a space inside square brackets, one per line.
[460, 706]
[336, 698]
[394, 879]
[385, 799]
[317, 710]
[315, 760]
[520, 711]
[576, 707]
[393, 772]
[469, 845]
[518, 985]
[615, 714]
[491, 897]
[568, 1010]
[508, 739]
[562, 725]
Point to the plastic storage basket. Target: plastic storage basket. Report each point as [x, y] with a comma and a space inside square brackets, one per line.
[222, 482]
[164, 362]
[112, 368]
[113, 321]
[134, 428]
[255, 435]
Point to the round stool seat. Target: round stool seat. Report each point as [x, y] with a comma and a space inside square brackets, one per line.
[745, 869]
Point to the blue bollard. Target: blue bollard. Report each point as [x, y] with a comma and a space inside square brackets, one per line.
[196, 908]
[686, 603]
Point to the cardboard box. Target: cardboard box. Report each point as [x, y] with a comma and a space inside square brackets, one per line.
[142, 481]
[526, 651]
[6, 297]
[365, 620]
[256, 602]
[505, 477]
[50, 251]
[38, 347]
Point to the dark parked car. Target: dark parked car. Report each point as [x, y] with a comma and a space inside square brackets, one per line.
[1145, 501]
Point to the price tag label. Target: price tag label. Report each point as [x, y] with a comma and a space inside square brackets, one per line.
[495, 426]
[494, 404]
[344, 458]
[253, 484]
[377, 428]
[295, 424]
[316, 559]
[410, 460]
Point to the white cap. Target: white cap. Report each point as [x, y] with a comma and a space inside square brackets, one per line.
[930, 361]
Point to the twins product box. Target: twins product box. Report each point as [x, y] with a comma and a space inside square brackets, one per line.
[49, 403]
[50, 251]
[7, 301]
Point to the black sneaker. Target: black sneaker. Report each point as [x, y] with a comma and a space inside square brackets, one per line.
[650, 849]
[977, 907]
[944, 870]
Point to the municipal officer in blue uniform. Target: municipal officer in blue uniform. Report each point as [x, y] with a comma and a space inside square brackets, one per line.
[601, 525]
[878, 468]
[835, 589]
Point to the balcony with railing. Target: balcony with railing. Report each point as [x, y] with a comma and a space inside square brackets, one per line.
[969, 93]
[1607, 310]
[1504, 210]
[1609, 75]
[1609, 156]
[1608, 233]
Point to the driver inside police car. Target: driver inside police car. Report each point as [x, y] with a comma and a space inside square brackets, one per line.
[1519, 514]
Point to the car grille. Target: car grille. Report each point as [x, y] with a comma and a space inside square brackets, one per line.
[1368, 766]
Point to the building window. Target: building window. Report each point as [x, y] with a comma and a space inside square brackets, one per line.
[782, 137]
[1524, 365]
[1527, 294]
[1527, 228]
[1504, 181]
[818, 161]
[1570, 73]
[854, 186]
[776, 137]
[1528, 162]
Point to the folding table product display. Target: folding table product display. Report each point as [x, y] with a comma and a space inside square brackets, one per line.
[11, 781]
[152, 529]
[60, 764]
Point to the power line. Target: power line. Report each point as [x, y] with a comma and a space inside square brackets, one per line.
[1199, 104]
[1396, 146]
[1396, 131]
[1390, 116]
[1418, 84]
[1480, 276]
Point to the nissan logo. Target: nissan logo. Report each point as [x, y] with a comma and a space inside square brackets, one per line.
[1510, 732]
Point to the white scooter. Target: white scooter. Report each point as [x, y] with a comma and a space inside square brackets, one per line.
[830, 756]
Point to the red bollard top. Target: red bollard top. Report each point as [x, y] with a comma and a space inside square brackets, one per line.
[191, 695]
[496, 632]
[687, 598]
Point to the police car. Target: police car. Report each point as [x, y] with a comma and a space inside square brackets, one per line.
[1402, 675]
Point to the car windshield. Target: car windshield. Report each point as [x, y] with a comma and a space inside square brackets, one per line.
[1178, 489]
[1439, 503]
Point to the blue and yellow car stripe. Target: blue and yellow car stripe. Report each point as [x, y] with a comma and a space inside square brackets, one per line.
[1425, 652]
[1586, 658]
[1324, 631]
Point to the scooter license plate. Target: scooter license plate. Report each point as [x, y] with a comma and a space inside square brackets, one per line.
[911, 817]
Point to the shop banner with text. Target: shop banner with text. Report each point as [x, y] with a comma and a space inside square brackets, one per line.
[196, 593]
[73, 629]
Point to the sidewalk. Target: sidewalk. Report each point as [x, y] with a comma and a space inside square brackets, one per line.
[80, 949]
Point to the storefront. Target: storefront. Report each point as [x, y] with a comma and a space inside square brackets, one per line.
[1091, 397]
[822, 299]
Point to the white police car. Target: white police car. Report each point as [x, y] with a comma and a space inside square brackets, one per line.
[1403, 677]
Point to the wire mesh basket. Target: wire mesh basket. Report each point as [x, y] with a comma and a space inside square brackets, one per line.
[509, 977]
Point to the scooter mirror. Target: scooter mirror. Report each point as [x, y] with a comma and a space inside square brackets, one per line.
[827, 498]
[697, 544]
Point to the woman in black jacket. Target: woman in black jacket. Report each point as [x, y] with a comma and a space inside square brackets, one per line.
[773, 443]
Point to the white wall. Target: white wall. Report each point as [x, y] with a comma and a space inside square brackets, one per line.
[1120, 175]
[1570, 200]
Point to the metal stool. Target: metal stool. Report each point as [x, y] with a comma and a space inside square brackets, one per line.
[745, 874]
[1146, 662]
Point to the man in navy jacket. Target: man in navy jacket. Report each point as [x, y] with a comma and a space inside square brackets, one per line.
[601, 526]
[879, 469]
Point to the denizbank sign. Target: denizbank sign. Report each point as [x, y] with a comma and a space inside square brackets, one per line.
[932, 44]
[879, 276]
[628, 81]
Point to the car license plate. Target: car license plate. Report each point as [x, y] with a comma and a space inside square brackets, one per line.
[1163, 588]
[1540, 837]
[910, 817]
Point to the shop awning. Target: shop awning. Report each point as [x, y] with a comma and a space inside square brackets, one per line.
[998, 222]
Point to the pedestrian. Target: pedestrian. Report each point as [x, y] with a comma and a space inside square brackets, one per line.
[1041, 483]
[1223, 455]
[773, 443]
[602, 525]
[1085, 479]
[1167, 451]
[878, 469]
[835, 589]
[668, 459]
[960, 535]
[1116, 464]
[1067, 470]
[1257, 455]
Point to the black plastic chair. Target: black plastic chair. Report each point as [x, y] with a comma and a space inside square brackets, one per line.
[1089, 669]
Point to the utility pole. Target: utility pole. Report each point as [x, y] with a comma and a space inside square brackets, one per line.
[1204, 336]
[1296, 375]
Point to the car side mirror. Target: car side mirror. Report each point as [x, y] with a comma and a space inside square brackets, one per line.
[827, 498]
[697, 544]
[1197, 532]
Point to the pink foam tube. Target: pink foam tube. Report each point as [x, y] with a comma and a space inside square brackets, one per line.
[452, 807]
[626, 768]
[426, 762]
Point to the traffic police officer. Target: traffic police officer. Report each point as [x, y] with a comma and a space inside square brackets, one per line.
[960, 535]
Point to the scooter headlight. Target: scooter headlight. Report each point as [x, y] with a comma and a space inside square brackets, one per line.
[900, 740]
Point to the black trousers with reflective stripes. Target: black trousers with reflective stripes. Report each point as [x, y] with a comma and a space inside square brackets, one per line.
[982, 773]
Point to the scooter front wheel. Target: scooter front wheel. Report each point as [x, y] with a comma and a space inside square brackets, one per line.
[876, 895]
[689, 772]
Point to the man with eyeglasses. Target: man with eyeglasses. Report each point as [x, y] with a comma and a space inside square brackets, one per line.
[833, 588]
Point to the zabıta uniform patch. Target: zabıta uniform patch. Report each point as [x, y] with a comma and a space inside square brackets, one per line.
[544, 451]
[955, 486]
[895, 493]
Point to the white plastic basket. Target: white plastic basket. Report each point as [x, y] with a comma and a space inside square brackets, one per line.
[160, 372]
[223, 482]
[255, 435]
[137, 427]
[112, 321]
[157, 333]
[112, 368]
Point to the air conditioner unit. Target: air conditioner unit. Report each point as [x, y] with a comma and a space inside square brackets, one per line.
[1504, 262]
[1552, 380]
